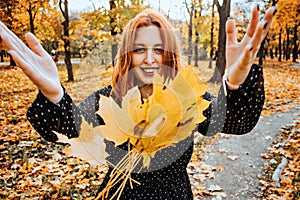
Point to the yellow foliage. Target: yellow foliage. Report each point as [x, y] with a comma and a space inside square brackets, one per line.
[168, 116]
[165, 118]
[88, 146]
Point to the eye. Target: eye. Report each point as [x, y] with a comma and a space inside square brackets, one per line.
[139, 50]
[158, 50]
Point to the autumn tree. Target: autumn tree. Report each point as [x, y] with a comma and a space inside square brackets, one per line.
[64, 8]
[212, 26]
[224, 13]
[113, 27]
[198, 19]
[295, 36]
[7, 15]
[33, 8]
[285, 24]
[104, 25]
[49, 28]
[120, 13]
[295, 33]
[190, 9]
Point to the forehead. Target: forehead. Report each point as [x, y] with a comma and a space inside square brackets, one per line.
[149, 35]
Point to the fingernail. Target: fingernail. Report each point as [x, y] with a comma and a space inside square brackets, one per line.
[275, 11]
[251, 48]
[257, 7]
[229, 17]
[266, 23]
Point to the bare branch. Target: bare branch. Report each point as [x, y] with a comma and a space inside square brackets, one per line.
[216, 2]
[61, 9]
[94, 7]
[187, 8]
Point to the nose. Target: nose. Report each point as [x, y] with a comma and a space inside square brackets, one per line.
[149, 56]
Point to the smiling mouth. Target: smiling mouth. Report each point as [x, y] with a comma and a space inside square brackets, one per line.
[149, 71]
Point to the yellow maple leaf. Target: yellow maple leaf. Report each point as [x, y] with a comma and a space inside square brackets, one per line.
[88, 146]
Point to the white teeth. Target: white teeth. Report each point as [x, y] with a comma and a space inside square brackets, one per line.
[149, 70]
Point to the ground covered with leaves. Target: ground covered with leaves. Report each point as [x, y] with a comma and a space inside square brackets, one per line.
[32, 168]
[281, 174]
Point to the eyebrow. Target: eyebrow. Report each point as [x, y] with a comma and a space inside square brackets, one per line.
[145, 45]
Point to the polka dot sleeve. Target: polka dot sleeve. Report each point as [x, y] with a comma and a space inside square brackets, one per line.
[64, 117]
[239, 111]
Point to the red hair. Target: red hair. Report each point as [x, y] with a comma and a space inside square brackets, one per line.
[122, 79]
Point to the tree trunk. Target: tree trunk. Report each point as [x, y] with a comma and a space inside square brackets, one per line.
[295, 48]
[2, 55]
[271, 53]
[11, 61]
[8, 7]
[224, 12]
[279, 45]
[31, 25]
[66, 39]
[113, 25]
[196, 39]
[287, 56]
[190, 31]
[190, 34]
[274, 2]
[266, 54]
[31, 18]
[261, 53]
[211, 53]
[284, 50]
[196, 49]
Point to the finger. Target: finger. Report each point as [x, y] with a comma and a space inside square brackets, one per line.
[7, 40]
[34, 44]
[24, 63]
[247, 57]
[270, 13]
[238, 73]
[258, 35]
[10, 39]
[10, 44]
[269, 16]
[231, 32]
[254, 21]
[20, 60]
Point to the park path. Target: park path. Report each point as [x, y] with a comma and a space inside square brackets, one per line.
[240, 157]
[239, 160]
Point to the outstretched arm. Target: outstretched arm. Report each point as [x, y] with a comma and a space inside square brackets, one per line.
[239, 110]
[240, 56]
[35, 62]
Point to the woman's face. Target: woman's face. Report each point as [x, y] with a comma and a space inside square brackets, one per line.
[147, 54]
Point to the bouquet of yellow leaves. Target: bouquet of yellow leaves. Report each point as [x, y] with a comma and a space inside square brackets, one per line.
[165, 118]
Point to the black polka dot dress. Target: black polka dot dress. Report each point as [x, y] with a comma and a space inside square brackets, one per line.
[166, 178]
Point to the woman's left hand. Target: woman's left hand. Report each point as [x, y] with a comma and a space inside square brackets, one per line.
[241, 55]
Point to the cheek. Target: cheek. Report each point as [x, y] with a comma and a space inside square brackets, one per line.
[137, 60]
[159, 58]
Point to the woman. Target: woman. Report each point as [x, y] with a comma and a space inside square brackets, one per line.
[149, 44]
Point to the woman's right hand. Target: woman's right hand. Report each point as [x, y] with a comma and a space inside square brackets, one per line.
[35, 62]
